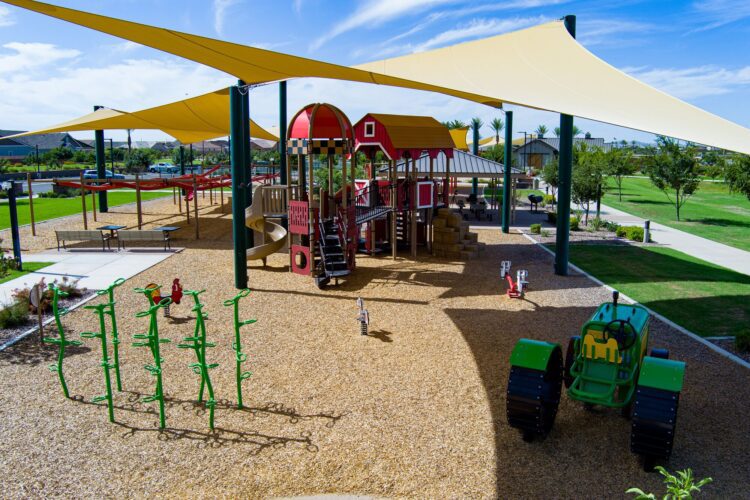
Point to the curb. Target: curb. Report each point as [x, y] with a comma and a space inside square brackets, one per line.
[668, 321]
[46, 322]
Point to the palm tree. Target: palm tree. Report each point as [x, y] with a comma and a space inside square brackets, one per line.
[497, 125]
[557, 131]
[541, 130]
[453, 124]
[477, 122]
[576, 131]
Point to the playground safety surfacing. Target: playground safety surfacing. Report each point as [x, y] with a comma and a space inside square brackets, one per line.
[414, 409]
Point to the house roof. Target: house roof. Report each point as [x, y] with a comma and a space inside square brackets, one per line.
[45, 141]
[414, 132]
[463, 164]
[554, 143]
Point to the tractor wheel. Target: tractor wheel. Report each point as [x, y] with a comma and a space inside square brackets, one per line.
[570, 357]
[653, 424]
[533, 397]
[660, 353]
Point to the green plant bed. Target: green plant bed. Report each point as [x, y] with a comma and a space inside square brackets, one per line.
[712, 212]
[50, 208]
[28, 267]
[702, 297]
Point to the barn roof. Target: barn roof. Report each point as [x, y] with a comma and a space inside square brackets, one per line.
[415, 132]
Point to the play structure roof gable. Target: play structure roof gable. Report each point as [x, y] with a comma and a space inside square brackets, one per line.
[328, 122]
[413, 132]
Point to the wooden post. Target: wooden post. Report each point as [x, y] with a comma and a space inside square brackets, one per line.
[195, 207]
[93, 204]
[138, 201]
[448, 181]
[221, 193]
[83, 203]
[31, 204]
[174, 196]
[211, 191]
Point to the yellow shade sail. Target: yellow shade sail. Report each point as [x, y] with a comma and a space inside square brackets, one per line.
[250, 64]
[459, 138]
[542, 67]
[191, 120]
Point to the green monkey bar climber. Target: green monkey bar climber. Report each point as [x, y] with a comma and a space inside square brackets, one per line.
[198, 343]
[152, 341]
[61, 341]
[240, 357]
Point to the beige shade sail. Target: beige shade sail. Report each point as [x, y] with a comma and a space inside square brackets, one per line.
[541, 67]
[250, 64]
[191, 120]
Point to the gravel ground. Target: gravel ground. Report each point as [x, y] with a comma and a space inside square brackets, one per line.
[415, 409]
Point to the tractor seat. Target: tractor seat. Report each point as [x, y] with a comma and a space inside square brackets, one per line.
[601, 368]
[597, 349]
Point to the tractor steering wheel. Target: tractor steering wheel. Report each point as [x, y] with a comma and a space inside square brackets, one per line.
[622, 331]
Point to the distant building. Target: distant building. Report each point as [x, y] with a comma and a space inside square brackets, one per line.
[19, 148]
[538, 152]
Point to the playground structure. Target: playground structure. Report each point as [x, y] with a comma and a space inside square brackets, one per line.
[606, 365]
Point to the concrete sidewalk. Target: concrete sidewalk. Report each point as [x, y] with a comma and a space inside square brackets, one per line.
[702, 248]
[94, 270]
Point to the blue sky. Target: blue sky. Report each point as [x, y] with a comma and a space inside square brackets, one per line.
[52, 71]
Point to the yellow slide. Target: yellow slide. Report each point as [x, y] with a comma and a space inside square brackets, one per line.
[271, 231]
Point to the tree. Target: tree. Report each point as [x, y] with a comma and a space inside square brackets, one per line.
[188, 155]
[321, 174]
[495, 153]
[541, 130]
[139, 160]
[453, 124]
[576, 131]
[737, 174]
[713, 164]
[550, 175]
[477, 122]
[619, 164]
[588, 176]
[557, 131]
[497, 125]
[674, 170]
[57, 156]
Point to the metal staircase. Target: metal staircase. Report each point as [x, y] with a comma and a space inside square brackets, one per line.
[332, 263]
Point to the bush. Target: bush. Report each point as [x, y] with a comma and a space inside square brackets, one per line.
[596, 223]
[682, 485]
[552, 217]
[544, 233]
[574, 223]
[16, 314]
[549, 199]
[535, 228]
[742, 341]
[611, 226]
[633, 233]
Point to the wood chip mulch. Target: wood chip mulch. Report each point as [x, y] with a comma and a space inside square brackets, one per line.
[415, 409]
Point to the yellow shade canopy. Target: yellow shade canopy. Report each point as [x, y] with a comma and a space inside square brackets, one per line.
[459, 138]
[250, 64]
[191, 120]
[542, 67]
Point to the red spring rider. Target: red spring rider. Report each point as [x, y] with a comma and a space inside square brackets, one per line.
[157, 297]
[517, 289]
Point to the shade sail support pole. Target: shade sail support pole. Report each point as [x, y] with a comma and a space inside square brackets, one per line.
[247, 161]
[508, 161]
[101, 167]
[565, 174]
[238, 188]
[475, 151]
[282, 134]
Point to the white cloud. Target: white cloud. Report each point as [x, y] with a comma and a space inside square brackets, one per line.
[605, 31]
[126, 47]
[220, 11]
[5, 17]
[376, 12]
[692, 83]
[32, 55]
[720, 12]
[297, 5]
[33, 101]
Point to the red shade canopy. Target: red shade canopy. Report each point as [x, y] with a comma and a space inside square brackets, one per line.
[328, 122]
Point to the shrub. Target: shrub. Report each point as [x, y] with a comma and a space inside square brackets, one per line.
[620, 232]
[574, 223]
[16, 314]
[596, 223]
[70, 287]
[552, 217]
[682, 485]
[549, 199]
[544, 233]
[535, 228]
[742, 341]
[634, 233]
[611, 226]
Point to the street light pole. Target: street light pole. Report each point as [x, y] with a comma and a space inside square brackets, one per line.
[525, 153]
[38, 168]
[111, 155]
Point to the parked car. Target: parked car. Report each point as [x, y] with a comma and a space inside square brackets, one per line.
[92, 174]
[163, 168]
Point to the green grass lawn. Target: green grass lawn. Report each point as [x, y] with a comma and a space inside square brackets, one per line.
[49, 208]
[712, 212]
[702, 297]
[28, 267]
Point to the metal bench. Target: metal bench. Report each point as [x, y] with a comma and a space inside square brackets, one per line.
[63, 236]
[156, 235]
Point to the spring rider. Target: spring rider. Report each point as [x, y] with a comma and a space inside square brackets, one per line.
[517, 289]
[155, 296]
[363, 317]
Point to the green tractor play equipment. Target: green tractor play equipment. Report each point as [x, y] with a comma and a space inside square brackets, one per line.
[61, 341]
[198, 343]
[239, 356]
[606, 365]
[153, 342]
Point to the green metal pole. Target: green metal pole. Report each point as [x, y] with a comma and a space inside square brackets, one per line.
[238, 188]
[101, 166]
[182, 160]
[282, 133]
[565, 175]
[508, 160]
[475, 150]
[247, 164]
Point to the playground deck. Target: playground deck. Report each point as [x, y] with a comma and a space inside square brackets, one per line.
[415, 409]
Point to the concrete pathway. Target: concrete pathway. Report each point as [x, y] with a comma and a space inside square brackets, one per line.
[94, 270]
[702, 248]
